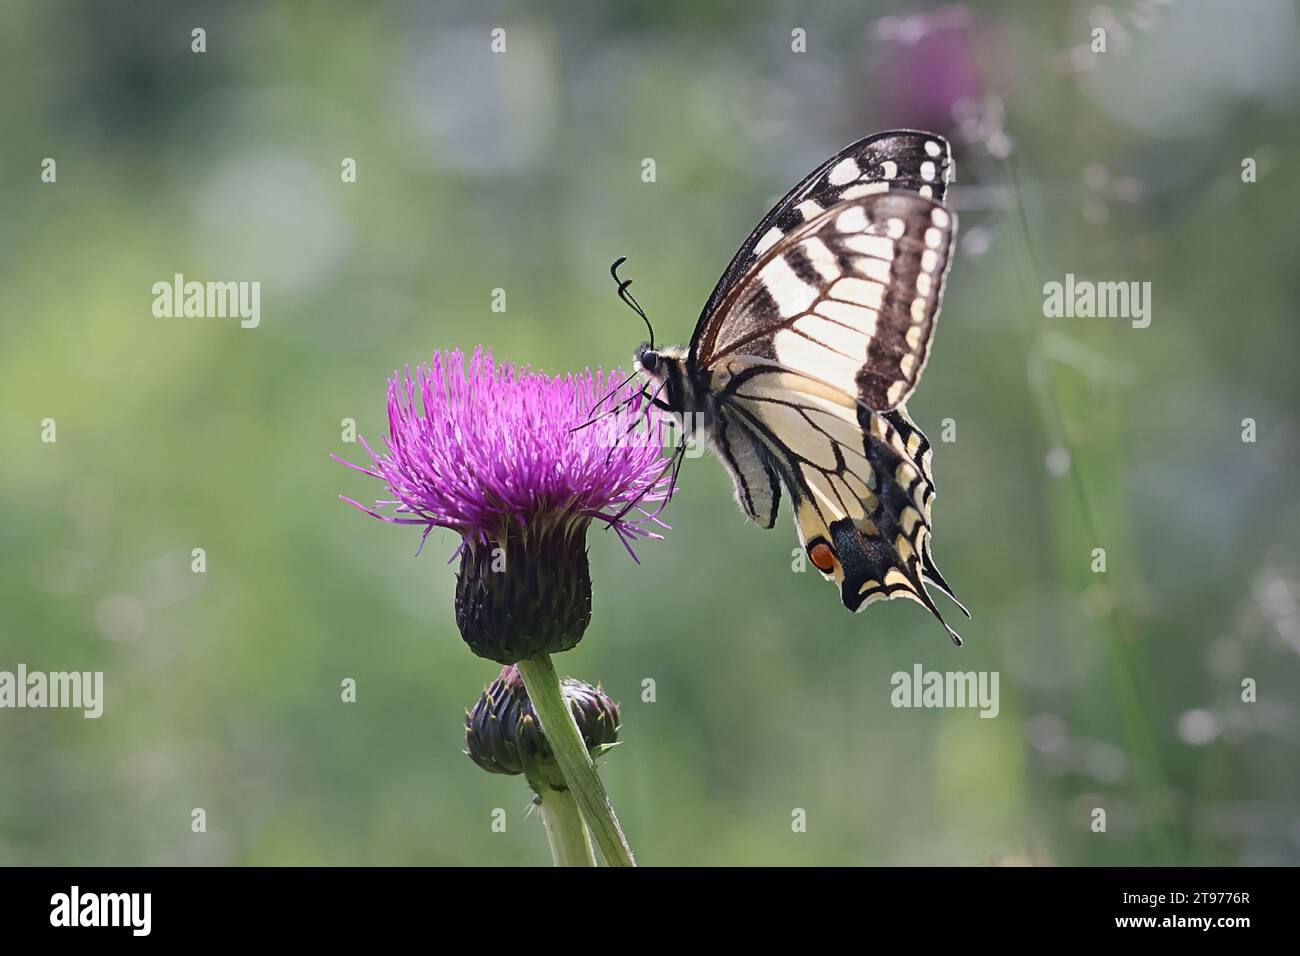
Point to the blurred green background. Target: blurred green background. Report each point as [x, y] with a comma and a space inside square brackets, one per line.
[523, 170]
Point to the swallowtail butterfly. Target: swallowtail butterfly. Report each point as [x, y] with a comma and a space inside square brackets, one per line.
[804, 357]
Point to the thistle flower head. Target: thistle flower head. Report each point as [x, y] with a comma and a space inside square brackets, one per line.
[503, 734]
[482, 448]
[497, 454]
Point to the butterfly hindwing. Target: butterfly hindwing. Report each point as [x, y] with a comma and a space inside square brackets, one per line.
[859, 482]
[850, 298]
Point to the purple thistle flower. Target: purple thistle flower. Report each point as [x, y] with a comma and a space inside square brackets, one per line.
[495, 453]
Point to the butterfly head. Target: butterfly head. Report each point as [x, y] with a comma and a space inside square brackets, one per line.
[660, 364]
[664, 372]
[647, 358]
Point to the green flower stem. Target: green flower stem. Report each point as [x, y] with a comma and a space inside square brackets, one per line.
[570, 845]
[562, 734]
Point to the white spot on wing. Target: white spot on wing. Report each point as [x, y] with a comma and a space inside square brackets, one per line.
[833, 335]
[864, 189]
[822, 259]
[858, 292]
[877, 269]
[851, 220]
[861, 317]
[809, 209]
[878, 246]
[770, 238]
[791, 294]
[845, 171]
[804, 355]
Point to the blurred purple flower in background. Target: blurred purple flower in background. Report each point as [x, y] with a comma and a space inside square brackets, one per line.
[930, 74]
[926, 65]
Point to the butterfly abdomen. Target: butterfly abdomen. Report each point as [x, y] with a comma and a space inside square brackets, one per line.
[753, 470]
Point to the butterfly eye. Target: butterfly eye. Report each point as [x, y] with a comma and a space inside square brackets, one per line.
[823, 557]
[649, 360]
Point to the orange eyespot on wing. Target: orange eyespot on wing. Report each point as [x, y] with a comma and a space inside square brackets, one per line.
[823, 557]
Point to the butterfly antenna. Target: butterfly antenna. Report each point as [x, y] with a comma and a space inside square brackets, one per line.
[635, 306]
[628, 298]
[675, 466]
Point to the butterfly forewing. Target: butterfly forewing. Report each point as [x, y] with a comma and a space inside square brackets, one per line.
[850, 298]
[905, 160]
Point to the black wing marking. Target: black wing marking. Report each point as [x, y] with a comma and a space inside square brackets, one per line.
[917, 447]
[859, 483]
[906, 160]
[851, 298]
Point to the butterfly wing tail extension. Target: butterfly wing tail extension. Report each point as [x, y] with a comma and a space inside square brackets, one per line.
[900, 547]
[912, 441]
[923, 597]
[930, 571]
[873, 570]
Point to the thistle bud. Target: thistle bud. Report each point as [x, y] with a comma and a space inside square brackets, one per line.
[503, 734]
[526, 595]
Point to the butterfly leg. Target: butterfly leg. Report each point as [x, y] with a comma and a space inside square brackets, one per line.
[612, 412]
[610, 394]
[679, 455]
[650, 400]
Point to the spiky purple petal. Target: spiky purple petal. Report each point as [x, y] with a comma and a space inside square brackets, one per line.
[476, 449]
